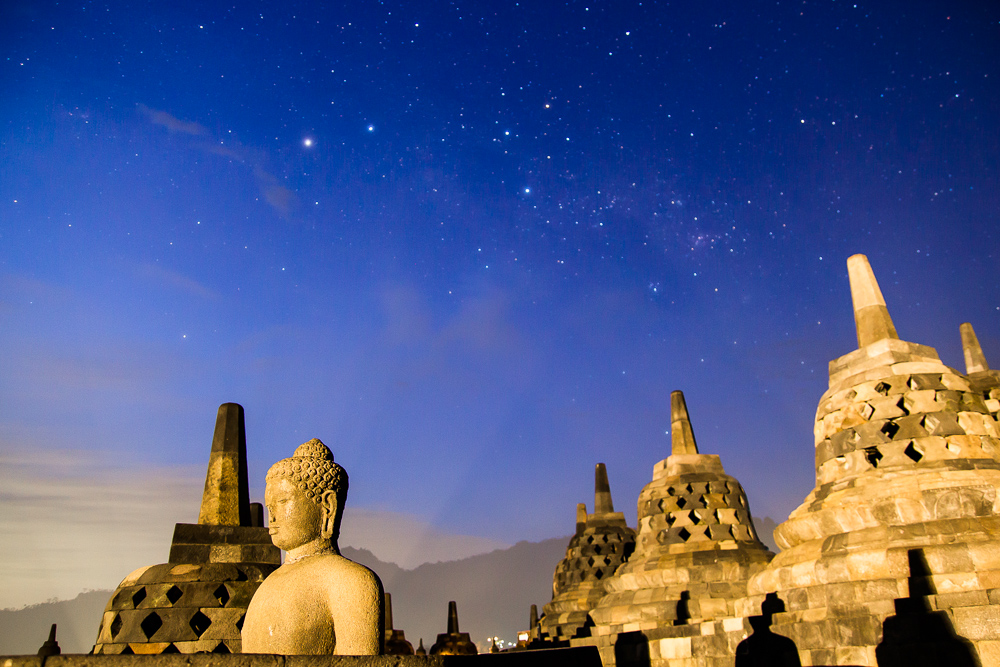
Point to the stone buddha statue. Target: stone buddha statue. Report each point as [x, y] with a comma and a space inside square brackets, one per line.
[317, 602]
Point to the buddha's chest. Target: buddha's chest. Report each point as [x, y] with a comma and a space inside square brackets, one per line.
[291, 616]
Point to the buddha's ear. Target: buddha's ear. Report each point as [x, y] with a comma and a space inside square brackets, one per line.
[328, 501]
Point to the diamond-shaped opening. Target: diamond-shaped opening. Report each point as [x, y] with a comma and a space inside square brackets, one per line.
[151, 624]
[873, 456]
[590, 539]
[670, 491]
[199, 623]
[138, 596]
[222, 594]
[127, 651]
[174, 594]
[604, 538]
[689, 488]
[239, 623]
[890, 429]
[883, 388]
[599, 573]
[684, 534]
[171, 649]
[681, 503]
[597, 550]
[590, 561]
[241, 575]
[867, 411]
[913, 452]
[221, 648]
[670, 519]
[901, 404]
[116, 625]
[695, 519]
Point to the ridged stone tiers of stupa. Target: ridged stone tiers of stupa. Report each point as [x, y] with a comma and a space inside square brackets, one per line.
[695, 550]
[907, 480]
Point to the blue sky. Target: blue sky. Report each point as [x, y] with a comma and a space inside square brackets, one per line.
[473, 247]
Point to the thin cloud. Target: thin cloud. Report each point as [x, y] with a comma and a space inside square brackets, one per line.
[176, 280]
[85, 521]
[173, 123]
[277, 196]
[408, 540]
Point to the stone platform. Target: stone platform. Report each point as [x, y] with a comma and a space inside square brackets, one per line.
[562, 657]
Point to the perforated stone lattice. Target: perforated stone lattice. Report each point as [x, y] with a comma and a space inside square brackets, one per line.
[708, 510]
[594, 557]
[180, 616]
[901, 421]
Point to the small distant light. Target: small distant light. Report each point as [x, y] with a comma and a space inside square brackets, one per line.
[371, 128]
[307, 142]
[527, 191]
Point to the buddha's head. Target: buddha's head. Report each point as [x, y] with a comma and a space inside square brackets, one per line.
[305, 497]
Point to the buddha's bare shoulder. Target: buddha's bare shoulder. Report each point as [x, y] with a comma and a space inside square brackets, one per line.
[346, 570]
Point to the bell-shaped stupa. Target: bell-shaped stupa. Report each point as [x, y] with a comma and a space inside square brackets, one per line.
[395, 640]
[906, 462]
[695, 550]
[603, 541]
[195, 603]
[453, 642]
[984, 380]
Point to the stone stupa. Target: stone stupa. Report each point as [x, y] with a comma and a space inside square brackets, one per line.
[196, 602]
[395, 640]
[906, 471]
[696, 548]
[982, 378]
[453, 642]
[601, 544]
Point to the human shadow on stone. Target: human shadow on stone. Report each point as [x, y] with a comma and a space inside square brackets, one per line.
[764, 648]
[683, 609]
[916, 636]
[632, 650]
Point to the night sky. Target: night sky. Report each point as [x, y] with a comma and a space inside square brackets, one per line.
[472, 246]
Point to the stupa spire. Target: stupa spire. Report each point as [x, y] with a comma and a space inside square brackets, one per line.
[871, 317]
[975, 362]
[602, 491]
[681, 435]
[226, 500]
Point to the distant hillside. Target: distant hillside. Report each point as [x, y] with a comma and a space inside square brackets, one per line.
[494, 592]
[22, 631]
[765, 531]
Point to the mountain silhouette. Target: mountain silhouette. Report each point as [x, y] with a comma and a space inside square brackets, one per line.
[494, 592]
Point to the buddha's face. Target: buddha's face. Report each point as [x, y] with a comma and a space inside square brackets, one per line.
[293, 519]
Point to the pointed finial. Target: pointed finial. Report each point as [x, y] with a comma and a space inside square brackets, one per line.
[494, 648]
[602, 491]
[452, 618]
[975, 362]
[51, 646]
[420, 649]
[388, 613]
[871, 317]
[226, 501]
[581, 517]
[681, 435]
[533, 618]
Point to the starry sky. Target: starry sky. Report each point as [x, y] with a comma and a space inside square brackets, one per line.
[472, 246]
